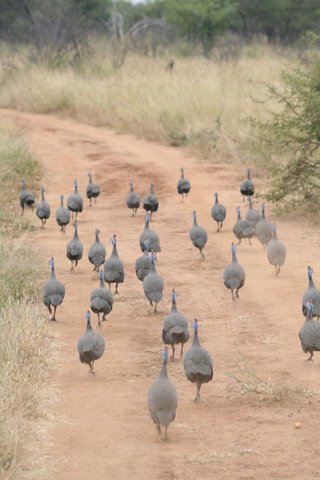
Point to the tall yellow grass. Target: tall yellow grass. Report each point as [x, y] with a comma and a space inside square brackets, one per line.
[25, 343]
[203, 104]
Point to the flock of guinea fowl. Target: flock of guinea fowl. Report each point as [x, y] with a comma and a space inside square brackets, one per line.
[197, 361]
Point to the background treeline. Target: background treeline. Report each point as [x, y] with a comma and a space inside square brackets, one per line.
[68, 23]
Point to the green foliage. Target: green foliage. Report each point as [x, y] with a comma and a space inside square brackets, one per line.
[16, 162]
[289, 141]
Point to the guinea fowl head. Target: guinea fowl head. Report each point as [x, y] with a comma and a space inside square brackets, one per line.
[51, 263]
[88, 317]
[131, 186]
[90, 177]
[195, 326]
[233, 248]
[164, 354]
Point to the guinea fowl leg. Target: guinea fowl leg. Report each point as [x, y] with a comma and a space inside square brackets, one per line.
[22, 211]
[197, 399]
[49, 308]
[181, 351]
[250, 243]
[155, 308]
[233, 299]
[159, 428]
[310, 358]
[165, 433]
[90, 205]
[221, 225]
[237, 293]
[54, 313]
[278, 269]
[116, 292]
[173, 349]
[238, 243]
[99, 321]
[95, 200]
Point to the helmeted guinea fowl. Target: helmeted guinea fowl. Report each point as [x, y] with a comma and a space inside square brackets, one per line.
[90, 346]
[162, 398]
[150, 201]
[263, 228]
[197, 362]
[276, 251]
[101, 300]
[183, 186]
[143, 263]
[133, 200]
[53, 292]
[93, 190]
[153, 285]
[148, 234]
[253, 216]
[175, 327]
[74, 249]
[234, 275]
[247, 187]
[197, 234]
[62, 215]
[43, 209]
[310, 333]
[113, 267]
[243, 228]
[218, 212]
[26, 197]
[313, 294]
[75, 202]
[97, 253]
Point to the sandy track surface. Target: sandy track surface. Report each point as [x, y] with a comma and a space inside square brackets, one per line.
[103, 429]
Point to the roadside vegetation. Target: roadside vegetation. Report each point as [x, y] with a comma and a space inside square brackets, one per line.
[24, 338]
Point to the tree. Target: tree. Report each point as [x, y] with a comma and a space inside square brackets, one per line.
[290, 140]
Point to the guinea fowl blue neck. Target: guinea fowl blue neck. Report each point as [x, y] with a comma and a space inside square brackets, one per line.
[146, 246]
[23, 184]
[75, 186]
[61, 200]
[147, 218]
[194, 214]
[250, 203]
[153, 264]
[51, 263]
[216, 198]
[174, 301]
[90, 177]
[88, 316]
[263, 210]
[131, 186]
[164, 371]
[238, 212]
[234, 253]
[182, 172]
[42, 194]
[114, 245]
[310, 272]
[309, 311]
[274, 231]
[195, 341]
[102, 284]
[152, 188]
[249, 174]
[97, 235]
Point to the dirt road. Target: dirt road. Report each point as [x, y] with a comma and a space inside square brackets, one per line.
[103, 429]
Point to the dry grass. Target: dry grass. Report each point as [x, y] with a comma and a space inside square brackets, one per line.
[249, 382]
[24, 357]
[203, 104]
[25, 346]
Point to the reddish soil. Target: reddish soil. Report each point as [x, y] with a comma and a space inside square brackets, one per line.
[102, 427]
